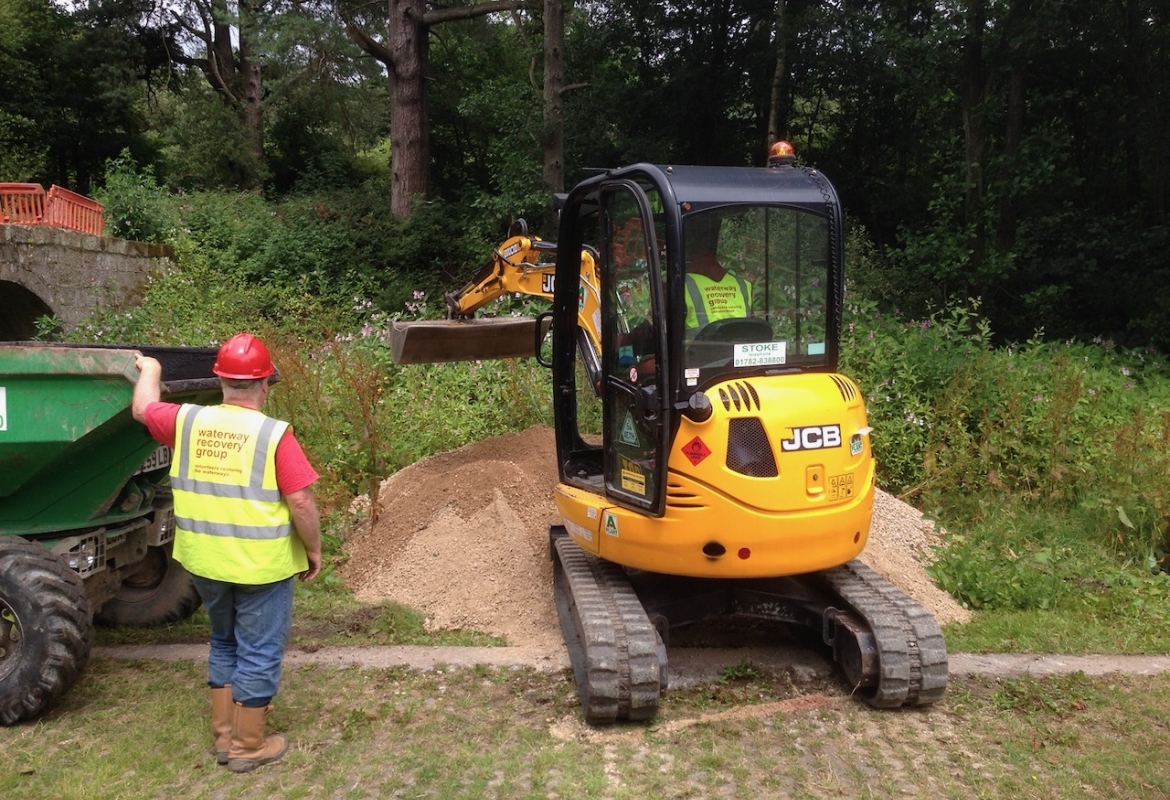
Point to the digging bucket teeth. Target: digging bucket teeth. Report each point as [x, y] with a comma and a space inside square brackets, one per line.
[481, 339]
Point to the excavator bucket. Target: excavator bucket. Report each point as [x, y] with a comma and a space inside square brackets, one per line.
[481, 339]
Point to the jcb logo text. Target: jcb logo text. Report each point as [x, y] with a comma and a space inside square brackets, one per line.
[815, 437]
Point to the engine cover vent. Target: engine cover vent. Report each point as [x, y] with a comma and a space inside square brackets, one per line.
[749, 452]
[740, 394]
[848, 391]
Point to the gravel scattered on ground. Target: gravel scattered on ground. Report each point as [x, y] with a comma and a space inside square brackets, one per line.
[462, 535]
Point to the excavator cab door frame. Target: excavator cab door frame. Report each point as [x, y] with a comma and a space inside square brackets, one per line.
[632, 349]
[616, 218]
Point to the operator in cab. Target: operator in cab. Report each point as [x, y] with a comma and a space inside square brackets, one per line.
[712, 292]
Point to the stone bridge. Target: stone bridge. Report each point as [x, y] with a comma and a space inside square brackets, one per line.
[68, 275]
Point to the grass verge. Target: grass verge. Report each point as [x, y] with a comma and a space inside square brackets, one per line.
[140, 729]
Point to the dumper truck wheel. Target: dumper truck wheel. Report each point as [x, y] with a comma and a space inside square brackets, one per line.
[158, 593]
[46, 629]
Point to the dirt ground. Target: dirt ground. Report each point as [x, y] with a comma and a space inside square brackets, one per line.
[462, 535]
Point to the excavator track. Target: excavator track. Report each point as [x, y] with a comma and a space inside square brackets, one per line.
[618, 658]
[889, 648]
[910, 649]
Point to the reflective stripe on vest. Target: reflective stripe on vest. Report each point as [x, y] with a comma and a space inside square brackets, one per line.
[232, 524]
[701, 307]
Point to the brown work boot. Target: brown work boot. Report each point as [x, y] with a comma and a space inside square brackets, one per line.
[250, 748]
[222, 714]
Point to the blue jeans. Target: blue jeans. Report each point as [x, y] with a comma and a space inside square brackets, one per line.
[250, 626]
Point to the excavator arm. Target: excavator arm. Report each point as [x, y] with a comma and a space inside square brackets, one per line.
[524, 265]
[519, 265]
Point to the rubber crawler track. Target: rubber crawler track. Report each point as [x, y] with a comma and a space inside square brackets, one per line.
[912, 654]
[614, 649]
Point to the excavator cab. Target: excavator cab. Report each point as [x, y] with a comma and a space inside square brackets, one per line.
[708, 275]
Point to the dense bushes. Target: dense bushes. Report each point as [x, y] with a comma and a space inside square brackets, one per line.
[1041, 457]
[1067, 425]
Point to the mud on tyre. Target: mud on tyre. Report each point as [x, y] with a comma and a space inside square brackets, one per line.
[46, 629]
[158, 593]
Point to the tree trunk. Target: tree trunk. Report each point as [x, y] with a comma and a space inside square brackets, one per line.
[251, 90]
[409, 142]
[229, 64]
[553, 135]
[776, 123]
[406, 55]
[974, 133]
[1005, 235]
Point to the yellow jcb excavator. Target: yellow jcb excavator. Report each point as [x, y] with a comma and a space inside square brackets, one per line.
[712, 462]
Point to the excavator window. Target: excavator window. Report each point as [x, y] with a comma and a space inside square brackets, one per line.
[756, 290]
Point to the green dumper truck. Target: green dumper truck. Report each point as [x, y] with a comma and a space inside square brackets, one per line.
[86, 518]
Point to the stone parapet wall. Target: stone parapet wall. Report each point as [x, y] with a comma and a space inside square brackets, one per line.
[72, 273]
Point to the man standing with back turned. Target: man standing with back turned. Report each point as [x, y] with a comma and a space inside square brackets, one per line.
[246, 523]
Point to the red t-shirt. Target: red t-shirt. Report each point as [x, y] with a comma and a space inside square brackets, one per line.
[293, 470]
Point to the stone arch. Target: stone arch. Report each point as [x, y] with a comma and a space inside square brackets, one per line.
[22, 309]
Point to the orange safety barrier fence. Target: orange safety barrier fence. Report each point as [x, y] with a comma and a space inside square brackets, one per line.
[29, 204]
[75, 212]
[22, 203]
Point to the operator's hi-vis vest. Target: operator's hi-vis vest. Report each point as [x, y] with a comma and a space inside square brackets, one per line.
[709, 300]
[231, 522]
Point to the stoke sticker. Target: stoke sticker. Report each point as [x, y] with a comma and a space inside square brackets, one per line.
[696, 450]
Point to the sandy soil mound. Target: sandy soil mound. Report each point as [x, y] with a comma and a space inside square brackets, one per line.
[462, 535]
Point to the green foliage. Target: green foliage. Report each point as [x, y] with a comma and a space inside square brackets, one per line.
[203, 144]
[1018, 557]
[195, 304]
[745, 670]
[136, 207]
[1063, 425]
[1054, 696]
[904, 369]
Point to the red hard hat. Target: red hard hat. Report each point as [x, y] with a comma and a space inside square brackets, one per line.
[243, 356]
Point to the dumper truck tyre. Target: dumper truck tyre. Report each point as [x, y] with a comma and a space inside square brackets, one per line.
[158, 593]
[46, 629]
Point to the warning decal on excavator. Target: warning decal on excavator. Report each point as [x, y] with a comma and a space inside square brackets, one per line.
[840, 486]
[696, 450]
[633, 478]
[634, 482]
[610, 525]
[629, 432]
[579, 530]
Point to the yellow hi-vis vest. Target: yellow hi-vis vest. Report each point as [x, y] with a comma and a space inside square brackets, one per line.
[231, 522]
[708, 300]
